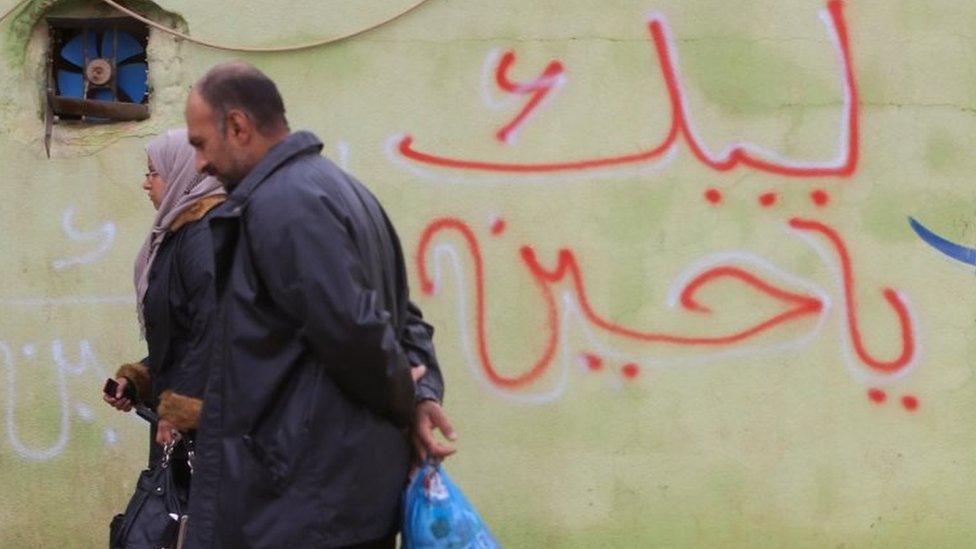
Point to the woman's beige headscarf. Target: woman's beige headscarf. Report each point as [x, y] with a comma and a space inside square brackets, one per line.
[173, 158]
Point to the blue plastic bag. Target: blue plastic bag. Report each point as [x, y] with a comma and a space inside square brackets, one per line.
[436, 514]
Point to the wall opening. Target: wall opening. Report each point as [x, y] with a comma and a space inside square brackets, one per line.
[97, 69]
[36, 39]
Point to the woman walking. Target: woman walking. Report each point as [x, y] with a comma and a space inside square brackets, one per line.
[174, 295]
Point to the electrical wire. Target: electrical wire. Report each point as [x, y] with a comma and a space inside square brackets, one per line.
[224, 47]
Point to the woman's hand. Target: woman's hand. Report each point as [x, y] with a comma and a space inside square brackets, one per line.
[166, 433]
[118, 401]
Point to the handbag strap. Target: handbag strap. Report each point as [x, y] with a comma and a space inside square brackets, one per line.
[167, 453]
[170, 447]
[190, 454]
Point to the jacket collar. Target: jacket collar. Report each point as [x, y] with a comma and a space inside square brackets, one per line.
[296, 144]
[197, 211]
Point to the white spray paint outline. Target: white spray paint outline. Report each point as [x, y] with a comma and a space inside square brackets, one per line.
[63, 367]
[104, 236]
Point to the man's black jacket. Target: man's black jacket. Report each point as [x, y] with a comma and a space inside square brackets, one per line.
[302, 440]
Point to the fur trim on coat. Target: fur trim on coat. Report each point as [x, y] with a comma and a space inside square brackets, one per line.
[138, 375]
[196, 211]
[180, 410]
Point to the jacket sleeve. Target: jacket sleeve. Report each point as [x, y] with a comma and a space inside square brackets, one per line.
[418, 341]
[182, 401]
[417, 337]
[306, 256]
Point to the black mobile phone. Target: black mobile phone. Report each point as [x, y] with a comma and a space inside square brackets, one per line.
[111, 386]
[145, 413]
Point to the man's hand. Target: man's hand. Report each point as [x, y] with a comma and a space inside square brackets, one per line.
[428, 416]
[166, 433]
[118, 401]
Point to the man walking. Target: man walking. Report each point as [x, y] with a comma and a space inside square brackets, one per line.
[302, 438]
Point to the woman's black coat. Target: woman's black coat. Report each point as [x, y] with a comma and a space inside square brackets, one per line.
[179, 311]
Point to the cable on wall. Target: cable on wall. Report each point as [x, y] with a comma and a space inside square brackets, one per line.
[253, 49]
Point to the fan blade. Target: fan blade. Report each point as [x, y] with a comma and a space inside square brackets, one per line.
[71, 84]
[74, 50]
[132, 79]
[127, 46]
[104, 94]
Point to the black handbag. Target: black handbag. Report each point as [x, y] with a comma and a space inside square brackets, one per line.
[156, 515]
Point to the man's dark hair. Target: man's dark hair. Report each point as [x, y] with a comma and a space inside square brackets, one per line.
[239, 85]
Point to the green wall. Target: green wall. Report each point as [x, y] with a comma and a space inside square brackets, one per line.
[758, 369]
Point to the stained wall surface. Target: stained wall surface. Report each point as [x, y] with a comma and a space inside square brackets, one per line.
[666, 245]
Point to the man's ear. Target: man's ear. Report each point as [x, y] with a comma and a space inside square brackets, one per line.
[239, 126]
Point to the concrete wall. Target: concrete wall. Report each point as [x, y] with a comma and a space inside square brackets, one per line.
[666, 246]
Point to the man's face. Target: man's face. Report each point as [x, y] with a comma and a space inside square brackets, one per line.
[217, 154]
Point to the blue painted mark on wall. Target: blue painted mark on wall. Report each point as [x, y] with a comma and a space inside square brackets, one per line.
[949, 248]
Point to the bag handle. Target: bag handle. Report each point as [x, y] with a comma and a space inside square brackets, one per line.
[167, 453]
[170, 447]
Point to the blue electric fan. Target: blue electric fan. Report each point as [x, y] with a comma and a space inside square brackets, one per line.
[111, 68]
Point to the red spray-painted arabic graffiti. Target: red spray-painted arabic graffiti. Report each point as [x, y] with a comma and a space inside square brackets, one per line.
[538, 89]
[747, 155]
[797, 305]
[427, 286]
[567, 265]
[907, 337]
